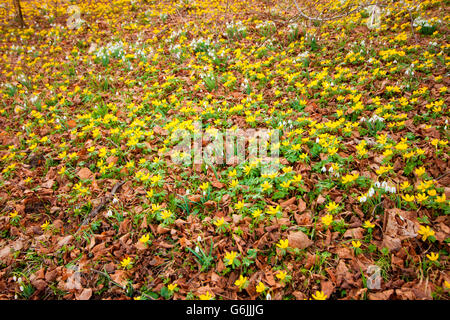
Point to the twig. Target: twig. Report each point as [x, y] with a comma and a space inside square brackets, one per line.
[412, 25]
[102, 204]
[105, 274]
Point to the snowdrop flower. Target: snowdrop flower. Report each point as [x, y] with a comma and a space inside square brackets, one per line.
[377, 184]
[197, 249]
[331, 169]
[268, 296]
[115, 200]
[21, 288]
[324, 169]
[109, 213]
[362, 199]
[371, 192]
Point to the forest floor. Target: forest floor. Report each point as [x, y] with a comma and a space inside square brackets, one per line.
[99, 200]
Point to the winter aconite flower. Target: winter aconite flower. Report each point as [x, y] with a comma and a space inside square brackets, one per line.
[241, 283]
[229, 257]
[126, 263]
[433, 256]
[368, 225]
[327, 219]
[425, 232]
[172, 286]
[206, 296]
[319, 295]
[356, 244]
[283, 244]
[260, 287]
[145, 238]
[332, 206]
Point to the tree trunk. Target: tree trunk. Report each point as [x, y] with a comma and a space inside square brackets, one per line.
[19, 15]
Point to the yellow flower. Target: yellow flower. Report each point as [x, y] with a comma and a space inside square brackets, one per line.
[204, 186]
[441, 199]
[172, 286]
[273, 210]
[327, 220]
[229, 257]
[332, 206]
[62, 170]
[166, 214]
[126, 262]
[239, 205]
[408, 198]
[260, 287]
[234, 183]
[256, 213]
[319, 296]
[421, 197]
[433, 256]
[404, 185]
[13, 214]
[298, 178]
[332, 151]
[368, 224]
[356, 244]
[45, 225]
[447, 284]
[420, 171]
[155, 179]
[426, 232]
[266, 186]
[281, 275]
[144, 238]
[285, 184]
[349, 178]
[232, 173]
[241, 282]
[219, 222]
[283, 244]
[206, 296]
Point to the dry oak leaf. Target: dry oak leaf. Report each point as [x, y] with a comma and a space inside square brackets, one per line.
[299, 240]
[84, 173]
[120, 277]
[383, 295]
[86, 294]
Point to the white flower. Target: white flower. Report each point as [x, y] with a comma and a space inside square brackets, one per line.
[115, 200]
[362, 199]
[199, 238]
[371, 192]
[197, 249]
[268, 296]
[109, 213]
[324, 169]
